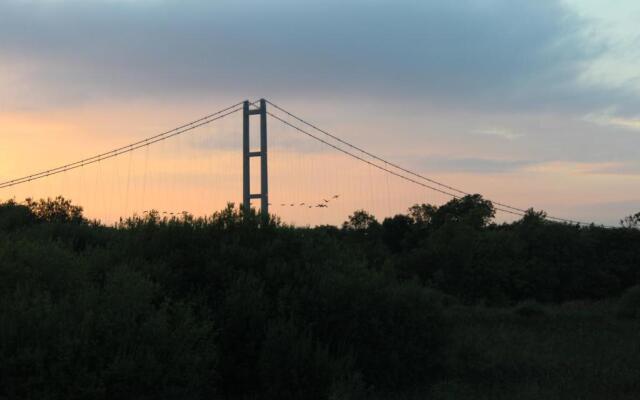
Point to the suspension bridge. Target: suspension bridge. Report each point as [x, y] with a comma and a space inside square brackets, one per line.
[287, 165]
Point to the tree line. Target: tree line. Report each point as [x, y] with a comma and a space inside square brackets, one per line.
[231, 306]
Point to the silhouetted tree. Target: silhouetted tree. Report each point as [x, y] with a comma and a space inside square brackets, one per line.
[471, 210]
[532, 217]
[55, 210]
[395, 230]
[422, 214]
[631, 221]
[14, 215]
[360, 220]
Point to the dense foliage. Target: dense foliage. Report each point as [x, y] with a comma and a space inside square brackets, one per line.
[233, 306]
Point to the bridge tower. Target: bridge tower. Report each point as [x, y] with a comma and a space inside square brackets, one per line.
[247, 154]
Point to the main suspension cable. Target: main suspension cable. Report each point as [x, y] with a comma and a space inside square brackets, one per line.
[449, 189]
[128, 148]
[350, 154]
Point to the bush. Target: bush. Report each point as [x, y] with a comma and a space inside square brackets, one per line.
[395, 333]
[295, 366]
[629, 303]
[55, 210]
[243, 318]
[411, 337]
[14, 215]
[64, 334]
[529, 309]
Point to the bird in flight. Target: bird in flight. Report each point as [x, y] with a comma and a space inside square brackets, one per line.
[335, 196]
[325, 200]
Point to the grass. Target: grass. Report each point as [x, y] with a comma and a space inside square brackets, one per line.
[574, 351]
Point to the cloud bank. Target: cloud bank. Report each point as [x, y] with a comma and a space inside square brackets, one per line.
[487, 54]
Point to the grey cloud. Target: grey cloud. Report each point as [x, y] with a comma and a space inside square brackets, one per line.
[498, 166]
[483, 54]
[630, 168]
[469, 165]
[502, 133]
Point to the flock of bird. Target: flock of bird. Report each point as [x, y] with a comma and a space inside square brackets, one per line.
[323, 204]
[168, 213]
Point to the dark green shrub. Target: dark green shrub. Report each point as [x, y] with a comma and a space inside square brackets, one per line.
[14, 215]
[410, 336]
[243, 321]
[629, 303]
[65, 335]
[395, 333]
[441, 299]
[55, 210]
[350, 387]
[529, 309]
[295, 366]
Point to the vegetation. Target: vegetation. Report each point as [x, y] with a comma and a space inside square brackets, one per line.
[629, 306]
[439, 301]
[631, 221]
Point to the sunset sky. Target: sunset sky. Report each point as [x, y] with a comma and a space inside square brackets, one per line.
[532, 103]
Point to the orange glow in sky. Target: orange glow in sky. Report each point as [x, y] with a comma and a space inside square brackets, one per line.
[200, 171]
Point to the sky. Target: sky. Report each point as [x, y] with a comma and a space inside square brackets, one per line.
[531, 103]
